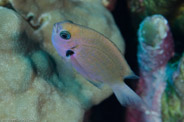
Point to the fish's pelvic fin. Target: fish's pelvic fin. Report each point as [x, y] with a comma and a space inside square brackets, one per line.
[126, 96]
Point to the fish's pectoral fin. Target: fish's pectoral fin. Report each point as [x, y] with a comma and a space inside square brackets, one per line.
[125, 95]
[97, 84]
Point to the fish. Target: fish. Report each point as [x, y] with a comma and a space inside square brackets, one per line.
[96, 58]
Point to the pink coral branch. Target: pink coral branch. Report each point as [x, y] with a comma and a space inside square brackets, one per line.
[155, 49]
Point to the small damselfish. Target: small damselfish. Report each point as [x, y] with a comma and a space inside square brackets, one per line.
[95, 57]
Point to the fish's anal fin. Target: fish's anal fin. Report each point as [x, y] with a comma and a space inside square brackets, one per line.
[126, 96]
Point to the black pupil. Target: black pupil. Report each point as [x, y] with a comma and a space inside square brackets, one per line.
[69, 53]
[65, 35]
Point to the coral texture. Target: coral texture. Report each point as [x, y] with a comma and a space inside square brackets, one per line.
[36, 84]
[173, 10]
[154, 51]
[172, 99]
[179, 78]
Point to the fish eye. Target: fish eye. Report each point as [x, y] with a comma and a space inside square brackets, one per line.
[65, 35]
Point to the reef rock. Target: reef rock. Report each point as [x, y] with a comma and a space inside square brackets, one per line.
[36, 83]
[156, 47]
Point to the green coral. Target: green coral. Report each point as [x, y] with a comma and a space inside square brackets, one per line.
[153, 30]
[149, 36]
[171, 106]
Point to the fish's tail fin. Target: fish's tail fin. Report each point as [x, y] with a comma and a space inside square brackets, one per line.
[126, 96]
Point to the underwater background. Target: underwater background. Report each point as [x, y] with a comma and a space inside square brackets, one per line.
[37, 85]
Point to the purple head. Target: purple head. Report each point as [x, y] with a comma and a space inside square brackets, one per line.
[62, 38]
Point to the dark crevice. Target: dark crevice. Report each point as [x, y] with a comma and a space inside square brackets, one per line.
[27, 45]
[28, 20]
[9, 6]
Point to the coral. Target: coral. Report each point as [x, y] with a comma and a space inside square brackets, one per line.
[149, 7]
[36, 84]
[173, 10]
[170, 105]
[172, 100]
[179, 77]
[154, 51]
